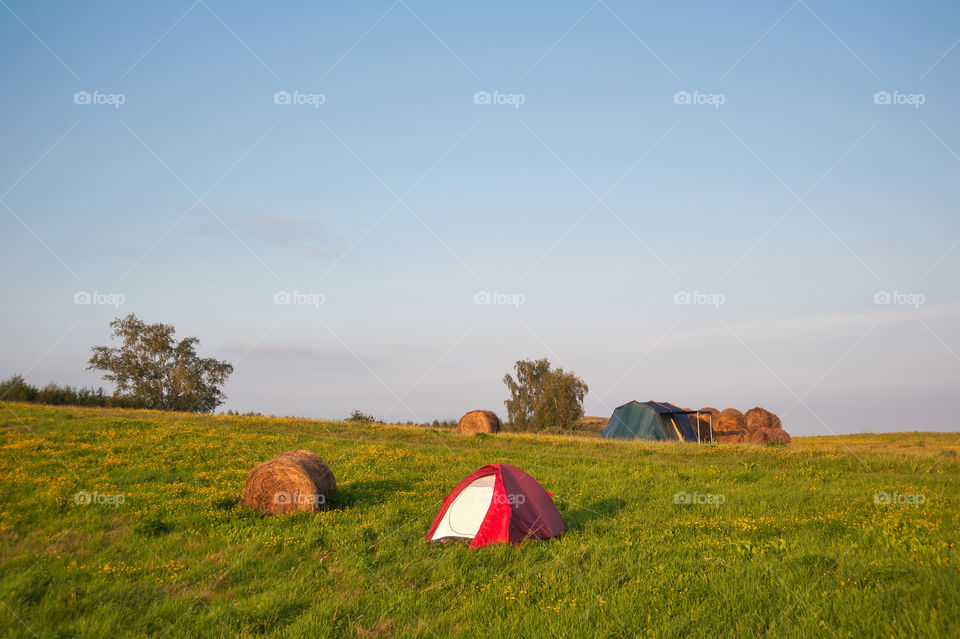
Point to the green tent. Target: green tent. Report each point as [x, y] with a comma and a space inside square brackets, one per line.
[658, 421]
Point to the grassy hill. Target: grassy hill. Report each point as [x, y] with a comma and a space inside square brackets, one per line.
[798, 546]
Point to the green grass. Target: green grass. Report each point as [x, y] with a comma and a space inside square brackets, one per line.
[798, 546]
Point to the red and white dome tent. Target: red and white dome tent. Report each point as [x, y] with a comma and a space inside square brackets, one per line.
[497, 504]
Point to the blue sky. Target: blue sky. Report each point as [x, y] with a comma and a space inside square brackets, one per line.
[631, 159]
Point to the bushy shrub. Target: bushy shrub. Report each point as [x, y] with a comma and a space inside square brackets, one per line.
[68, 395]
[363, 418]
[16, 389]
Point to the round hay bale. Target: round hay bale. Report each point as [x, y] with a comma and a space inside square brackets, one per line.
[713, 412]
[704, 420]
[757, 418]
[700, 423]
[479, 421]
[730, 436]
[291, 481]
[729, 419]
[764, 435]
[707, 417]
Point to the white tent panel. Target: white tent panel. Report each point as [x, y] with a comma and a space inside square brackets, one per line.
[466, 513]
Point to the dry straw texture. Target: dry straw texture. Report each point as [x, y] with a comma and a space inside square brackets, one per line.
[713, 412]
[701, 423]
[765, 435]
[757, 418]
[729, 419]
[707, 416]
[479, 421]
[291, 481]
[730, 436]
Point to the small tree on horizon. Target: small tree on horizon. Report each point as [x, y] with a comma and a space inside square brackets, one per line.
[152, 369]
[543, 398]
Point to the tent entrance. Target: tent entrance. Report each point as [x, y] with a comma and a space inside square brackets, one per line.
[670, 428]
[466, 513]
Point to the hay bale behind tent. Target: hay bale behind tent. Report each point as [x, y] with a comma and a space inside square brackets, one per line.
[757, 418]
[707, 416]
[701, 424]
[291, 481]
[479, 421]
[729, 419]
[728, 425]
[730, 436]
[712, 412]
[764, 435]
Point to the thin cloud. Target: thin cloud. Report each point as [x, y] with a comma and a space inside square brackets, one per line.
[304, 236]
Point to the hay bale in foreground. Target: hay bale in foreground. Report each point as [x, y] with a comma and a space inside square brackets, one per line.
[479, 421]
[764, 435]
[729, 419]
[291, 481]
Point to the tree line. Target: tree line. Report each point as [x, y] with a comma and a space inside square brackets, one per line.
[150, 368]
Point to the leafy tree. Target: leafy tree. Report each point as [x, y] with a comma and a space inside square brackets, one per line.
[152, 369]
[543, 398]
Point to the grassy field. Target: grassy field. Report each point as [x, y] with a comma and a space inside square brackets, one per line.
[788, 541]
